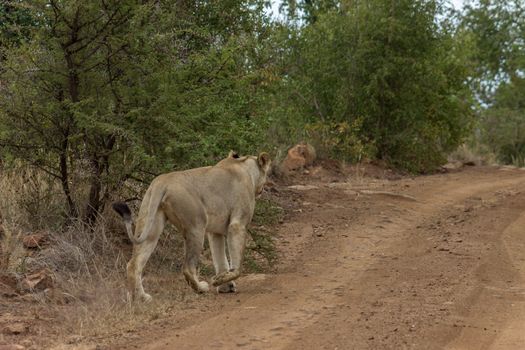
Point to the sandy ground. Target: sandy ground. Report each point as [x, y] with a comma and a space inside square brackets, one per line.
[441, 267]
[433, 262]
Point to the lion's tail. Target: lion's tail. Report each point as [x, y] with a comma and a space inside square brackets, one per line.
[123, 210]
[157, 194]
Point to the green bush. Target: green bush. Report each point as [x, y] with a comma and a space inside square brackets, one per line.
[261, 252]
[390, 70]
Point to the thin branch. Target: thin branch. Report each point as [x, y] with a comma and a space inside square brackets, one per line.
[316, 105]
[20, 146]
[388, 194]
[96, 35]
[58, 13]
[102, 62]
[44, 169]
[49, 141]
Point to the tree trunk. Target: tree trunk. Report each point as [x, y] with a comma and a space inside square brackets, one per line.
[93, 205]
[99, 165]
[64, 180]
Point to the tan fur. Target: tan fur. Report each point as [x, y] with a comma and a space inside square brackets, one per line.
[218, 201]
[299, 156]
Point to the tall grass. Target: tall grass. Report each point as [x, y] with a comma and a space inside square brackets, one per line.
[88, 263]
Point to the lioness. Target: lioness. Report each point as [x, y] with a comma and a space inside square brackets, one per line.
[218, 200]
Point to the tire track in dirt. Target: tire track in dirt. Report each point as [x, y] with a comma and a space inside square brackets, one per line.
[411, 289]
[377, 272]
[513, 336]
[497, 309]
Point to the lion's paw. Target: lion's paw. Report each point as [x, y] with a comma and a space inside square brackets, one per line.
[146, 298]
[224, 277]
[227, 288]
[203, 287]
[219, 279]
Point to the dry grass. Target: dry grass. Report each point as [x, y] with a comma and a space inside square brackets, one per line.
[11, 249]
[31, 200]
[90, 297]
[473, 155]
[87, 263]
[24, 193]
[88, 300]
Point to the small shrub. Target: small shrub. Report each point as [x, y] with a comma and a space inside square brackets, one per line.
[473, 154]
[11, 250]
[340, 140]
[513, 153]
[31, 199]
[261, 253]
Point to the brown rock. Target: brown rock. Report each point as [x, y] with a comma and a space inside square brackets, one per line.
[35, 240]
[40, 280]
[15, 328]
[12, 347]
[452, 166]
[8, 284]
[7, 291]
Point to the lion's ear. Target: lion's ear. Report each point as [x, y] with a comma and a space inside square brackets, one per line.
[264, 161]
[233, 154]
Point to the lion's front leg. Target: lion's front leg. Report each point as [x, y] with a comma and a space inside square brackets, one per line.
[194, 240]
[236, 244]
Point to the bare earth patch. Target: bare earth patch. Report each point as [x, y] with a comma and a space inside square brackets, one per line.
[368, 259]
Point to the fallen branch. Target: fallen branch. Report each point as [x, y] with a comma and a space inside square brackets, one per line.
[389, 194]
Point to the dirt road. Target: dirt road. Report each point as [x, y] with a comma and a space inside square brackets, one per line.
[440, 267]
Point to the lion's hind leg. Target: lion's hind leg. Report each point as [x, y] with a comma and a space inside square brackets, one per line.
[220, 260]
[141, 254]
[194, 240]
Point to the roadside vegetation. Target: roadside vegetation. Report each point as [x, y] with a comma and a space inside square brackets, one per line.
[98, 97]
[101, 97]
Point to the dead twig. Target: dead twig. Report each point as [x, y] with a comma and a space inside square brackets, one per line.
[389, 194]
